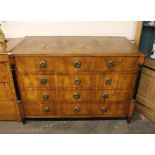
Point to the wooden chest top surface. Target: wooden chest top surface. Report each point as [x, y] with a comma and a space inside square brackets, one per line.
[78, 45]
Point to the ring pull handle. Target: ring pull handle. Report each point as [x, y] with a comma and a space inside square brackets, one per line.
[77, 64]
[43, 81]
[76, 95]
[76, 109]
[45, 96]
[46, 109]
[108, 81]
[77, 81]
[110, 64]
[105, 95]
[104, 109]
[43, 64]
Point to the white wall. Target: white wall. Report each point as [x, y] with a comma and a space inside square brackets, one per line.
[21, 29]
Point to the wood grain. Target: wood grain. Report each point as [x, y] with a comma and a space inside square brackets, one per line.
[53, 66]
[64, 65]
[148, 112]
[138, 33]
[9, 109]
[61, 46]
[87, 81]
[149, 63]
[68, 95]
[3, 72]
[146, 88]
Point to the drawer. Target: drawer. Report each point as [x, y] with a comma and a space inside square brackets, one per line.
[37, 108]
[111, 108]
[82, 81]
[5, 91]
[73, 65]
[7, 110]
[3, 72]
[45, 96]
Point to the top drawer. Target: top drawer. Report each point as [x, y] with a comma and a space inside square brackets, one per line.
[62, 65]
[3, 72]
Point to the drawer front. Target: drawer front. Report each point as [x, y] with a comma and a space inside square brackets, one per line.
[75, 64]
[5, 91]
[88, 81]
[45, 96]
[111, 108]
[7, 110]
[37, 108]
[3, 72]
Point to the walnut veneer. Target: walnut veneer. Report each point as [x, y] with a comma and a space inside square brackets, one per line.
[66, 77]
[8, 106]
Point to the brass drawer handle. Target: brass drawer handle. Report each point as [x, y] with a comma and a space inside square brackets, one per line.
[43, 64]
[77, 81]
[43, 81]
[76, 109]
[110, 64]
[105, 95]
[108, 81]
[45, 96]
[77, 64]
[104, 109]
[46, 109]
[76, 95]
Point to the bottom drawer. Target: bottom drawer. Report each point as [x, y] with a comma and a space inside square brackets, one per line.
[76, 108]
[7, 110]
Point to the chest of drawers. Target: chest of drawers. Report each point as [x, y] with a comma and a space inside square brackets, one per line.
[71, 77]
[8, 107]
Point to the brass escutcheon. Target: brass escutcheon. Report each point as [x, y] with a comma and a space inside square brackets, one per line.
[77, 81]
[46, 109]
[77, 64]
[76, 95]
[76, 109]
[43, 81]
[110, 64]
[43, 64]
[103, 109]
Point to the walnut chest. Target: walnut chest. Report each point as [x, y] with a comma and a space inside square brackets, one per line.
[69, 77]
[9, 109]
